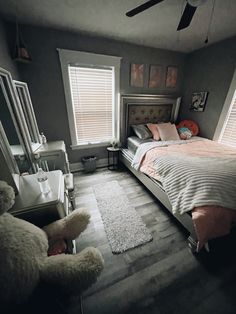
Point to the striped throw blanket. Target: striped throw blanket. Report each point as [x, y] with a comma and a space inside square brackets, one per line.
[143, 148]
[197, 181]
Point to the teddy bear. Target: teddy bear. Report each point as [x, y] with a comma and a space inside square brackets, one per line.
[24, 259]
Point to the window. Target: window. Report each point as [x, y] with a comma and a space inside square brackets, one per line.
[226, 128]
[92, 99]
[228, 133]
[91, 84]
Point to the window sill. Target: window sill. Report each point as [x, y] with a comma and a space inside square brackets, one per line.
[87, 146]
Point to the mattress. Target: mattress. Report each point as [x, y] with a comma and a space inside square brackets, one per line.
[133, 143]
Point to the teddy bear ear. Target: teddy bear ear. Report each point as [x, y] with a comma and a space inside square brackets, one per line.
[7, 197]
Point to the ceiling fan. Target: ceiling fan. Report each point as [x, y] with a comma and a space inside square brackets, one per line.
[187, 15]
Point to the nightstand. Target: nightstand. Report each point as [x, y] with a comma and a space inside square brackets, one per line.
[113, 158]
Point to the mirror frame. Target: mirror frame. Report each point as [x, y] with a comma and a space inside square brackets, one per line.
[29, 110]
[16, 111]
[10, 171]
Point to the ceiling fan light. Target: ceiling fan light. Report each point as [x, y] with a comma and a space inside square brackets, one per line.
[196, 3]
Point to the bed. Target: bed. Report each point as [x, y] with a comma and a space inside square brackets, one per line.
[143, 109]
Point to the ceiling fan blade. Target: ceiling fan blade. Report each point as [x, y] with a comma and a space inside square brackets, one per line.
[143, 7]
[186, 17]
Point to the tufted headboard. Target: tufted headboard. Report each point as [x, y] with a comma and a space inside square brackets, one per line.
[142, 109]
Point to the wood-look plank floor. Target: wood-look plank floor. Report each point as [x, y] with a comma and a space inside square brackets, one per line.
[161, 276]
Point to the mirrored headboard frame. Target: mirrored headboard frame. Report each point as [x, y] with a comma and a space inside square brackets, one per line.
[16, 112]
[151, 106]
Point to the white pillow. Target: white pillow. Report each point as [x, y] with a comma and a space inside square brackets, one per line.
[168, 132]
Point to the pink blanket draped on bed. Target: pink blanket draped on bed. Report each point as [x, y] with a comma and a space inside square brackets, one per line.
[209, 221]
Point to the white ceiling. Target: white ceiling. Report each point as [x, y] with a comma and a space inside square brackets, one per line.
[155, 27]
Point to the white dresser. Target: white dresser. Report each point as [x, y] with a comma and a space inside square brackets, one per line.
[52, 156]
[41, 209]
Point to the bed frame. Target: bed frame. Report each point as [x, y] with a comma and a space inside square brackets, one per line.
[142, 109]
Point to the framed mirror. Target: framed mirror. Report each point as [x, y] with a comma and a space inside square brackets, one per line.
[14, 123]
[9, 171]
[30, 119]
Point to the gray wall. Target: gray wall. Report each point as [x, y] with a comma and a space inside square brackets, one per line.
[44, 78]
[209, 69]
[7, 37]
[7, 32]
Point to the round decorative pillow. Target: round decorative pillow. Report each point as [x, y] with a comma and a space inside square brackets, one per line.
[191, 125]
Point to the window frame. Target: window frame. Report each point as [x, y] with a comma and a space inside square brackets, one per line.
[225, 110]
[80, 58]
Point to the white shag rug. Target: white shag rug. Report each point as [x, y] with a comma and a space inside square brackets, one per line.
[123, 225]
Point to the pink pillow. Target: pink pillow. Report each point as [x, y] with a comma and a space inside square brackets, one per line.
[153, 128]
[168, 132]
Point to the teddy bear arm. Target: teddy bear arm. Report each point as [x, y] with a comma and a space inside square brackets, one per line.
[69, 227]
[73, 274]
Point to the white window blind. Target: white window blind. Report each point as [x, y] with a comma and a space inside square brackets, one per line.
[92, 97]
[228, 133]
